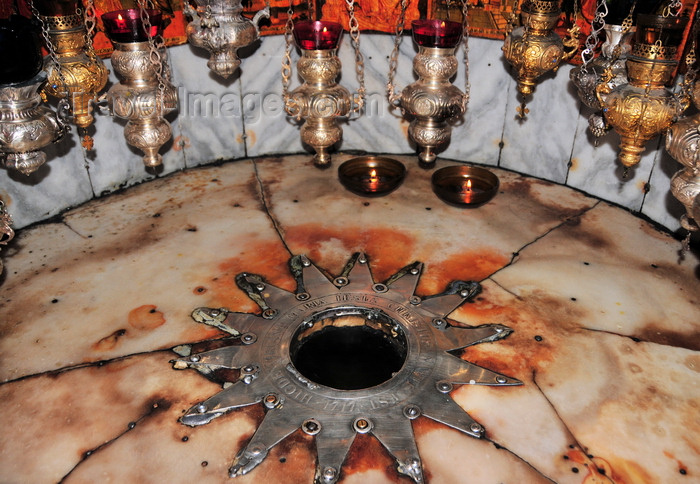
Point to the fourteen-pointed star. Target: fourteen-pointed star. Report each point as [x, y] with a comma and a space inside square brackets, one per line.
[342, 357]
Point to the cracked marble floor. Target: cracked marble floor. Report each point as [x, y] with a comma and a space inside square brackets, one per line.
[605, 317]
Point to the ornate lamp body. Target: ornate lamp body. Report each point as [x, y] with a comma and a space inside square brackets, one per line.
[139, 99]
[587, 78]
[320, 100]
[80, 74]
[144, 94]
[644, 107]
[683, 144]
[433, 101]
[25, 125]
[534, 49]
[219, 27]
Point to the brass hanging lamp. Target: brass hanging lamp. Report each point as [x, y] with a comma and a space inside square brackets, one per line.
[533, 48]
[644, 107]
[75, 73]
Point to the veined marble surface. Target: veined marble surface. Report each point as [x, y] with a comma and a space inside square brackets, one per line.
[244, 116]
[605, 321]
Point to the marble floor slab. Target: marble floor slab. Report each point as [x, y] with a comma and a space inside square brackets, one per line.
[606, 318]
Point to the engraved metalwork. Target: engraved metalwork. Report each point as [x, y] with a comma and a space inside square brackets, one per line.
[219, 27]
[432, 102]
[644, 107]
[683, 144]
[534, 49]
[142, 99]
[26, 126]
[76, 73]
[319, 101]
[586, 78]
[416, 385]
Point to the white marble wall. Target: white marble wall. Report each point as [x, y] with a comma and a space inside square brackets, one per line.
[243, 117]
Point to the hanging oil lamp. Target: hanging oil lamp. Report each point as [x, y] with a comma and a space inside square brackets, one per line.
[644, 107]
[432, 102]
[320, 100]
[75, 73]
[26, 126]
[144, 93]
[219, 27]
[683, 144]
[533, 48]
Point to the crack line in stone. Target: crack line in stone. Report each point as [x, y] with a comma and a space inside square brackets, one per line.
[516, 254]
[80, 366]
[263, 199]
[523, 460]
[130, 426]
[637, 339]
[571, 434]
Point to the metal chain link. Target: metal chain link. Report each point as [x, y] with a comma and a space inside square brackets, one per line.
[358, 98]
[626, 26]
[156, 46]
[673, 9]
[597, 26]
[391, 94]
[287, 59]
[465, 44]
[513, 18]
[49, 46]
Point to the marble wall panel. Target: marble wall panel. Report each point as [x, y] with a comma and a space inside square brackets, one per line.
[477, 139]
[541, 144]
[659, 203]
[596, 170]
[114, 164]
[211, 109]
[61, 182]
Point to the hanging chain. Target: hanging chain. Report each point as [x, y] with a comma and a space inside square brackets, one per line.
[156, 46]
[90, 25]
[465, 44]
[626, 26]
[312, 9]
[287, 59]
[358, 98]
[51, 50]
[513, 18]
[597, 26]
[391, 94]
[673, 9]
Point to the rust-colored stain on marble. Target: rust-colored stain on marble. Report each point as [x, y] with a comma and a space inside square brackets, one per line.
[655, 333]
[388, 249]
[266, 258]
[146, 317]
[367, 453]
[110, 341]
[466, 266]
[598, 470]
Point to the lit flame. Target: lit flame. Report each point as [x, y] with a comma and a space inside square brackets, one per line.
[325, 29]
[373, 175]
[469, 185]
[442, 25]
[119, 17]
